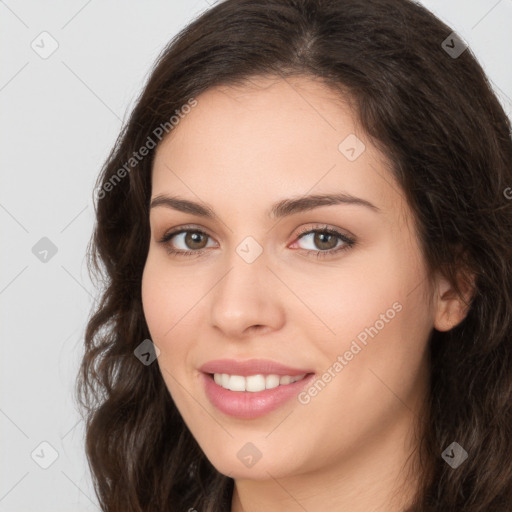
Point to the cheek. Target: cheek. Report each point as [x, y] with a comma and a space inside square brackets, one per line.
[382, 365]
[170, 308]
[159, 306]
[352, 297]
[166, 298]
[154, 301]
[378, 315]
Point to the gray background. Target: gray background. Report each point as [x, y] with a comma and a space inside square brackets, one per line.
[59, 118]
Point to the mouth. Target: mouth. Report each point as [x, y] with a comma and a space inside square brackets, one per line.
[252, 396]
[254, 383]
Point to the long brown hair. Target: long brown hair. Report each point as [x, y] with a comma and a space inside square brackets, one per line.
[434, 114]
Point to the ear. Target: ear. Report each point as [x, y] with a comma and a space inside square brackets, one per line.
[450, 309]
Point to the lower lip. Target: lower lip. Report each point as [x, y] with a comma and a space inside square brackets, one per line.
[248, 405]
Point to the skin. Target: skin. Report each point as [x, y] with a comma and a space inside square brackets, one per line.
[241, 149]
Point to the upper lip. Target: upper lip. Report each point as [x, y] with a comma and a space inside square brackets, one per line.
[251, 367]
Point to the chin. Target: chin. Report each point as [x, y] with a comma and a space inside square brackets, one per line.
[241, 466]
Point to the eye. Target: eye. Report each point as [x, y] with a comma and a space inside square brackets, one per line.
[328, 240]
[192, 241]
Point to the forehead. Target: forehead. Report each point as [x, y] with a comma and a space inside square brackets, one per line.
[267, 139]
[266, 112]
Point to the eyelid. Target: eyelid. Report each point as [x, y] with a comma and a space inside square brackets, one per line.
[325, 227]
[166, 237]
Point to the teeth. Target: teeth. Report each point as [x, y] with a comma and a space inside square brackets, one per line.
[271, 381]
[254, 383]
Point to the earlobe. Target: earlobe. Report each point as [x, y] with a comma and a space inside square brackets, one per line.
[450, 308]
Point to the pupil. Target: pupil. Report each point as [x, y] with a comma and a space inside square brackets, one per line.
[323, 238]
[194, 238]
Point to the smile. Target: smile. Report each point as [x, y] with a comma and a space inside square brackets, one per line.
[248, 397]
[254, 383]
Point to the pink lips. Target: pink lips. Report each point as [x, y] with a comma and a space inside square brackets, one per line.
[245, 404]
[250, 367]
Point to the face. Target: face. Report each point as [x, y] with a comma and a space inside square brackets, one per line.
[274, 285]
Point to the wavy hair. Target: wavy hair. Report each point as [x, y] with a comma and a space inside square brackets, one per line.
[437, 119]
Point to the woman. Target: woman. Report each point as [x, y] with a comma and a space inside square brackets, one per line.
[304, 230]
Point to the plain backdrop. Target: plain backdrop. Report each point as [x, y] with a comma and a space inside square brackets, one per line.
[59, 118]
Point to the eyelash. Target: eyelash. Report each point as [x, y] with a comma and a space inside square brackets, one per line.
[348, 241]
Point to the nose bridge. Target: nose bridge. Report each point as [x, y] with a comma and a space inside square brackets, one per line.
[244, 295]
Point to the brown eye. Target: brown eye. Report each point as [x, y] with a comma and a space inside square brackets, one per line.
[325, 240]
[322, 242]
[195, 239]
[185, 241]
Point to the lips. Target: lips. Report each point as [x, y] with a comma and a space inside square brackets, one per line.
[251, 367]
[252, 404]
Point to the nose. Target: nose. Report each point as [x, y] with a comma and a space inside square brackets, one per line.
[245, 300]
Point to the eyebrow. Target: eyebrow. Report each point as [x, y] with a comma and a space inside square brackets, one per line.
[280, 209]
